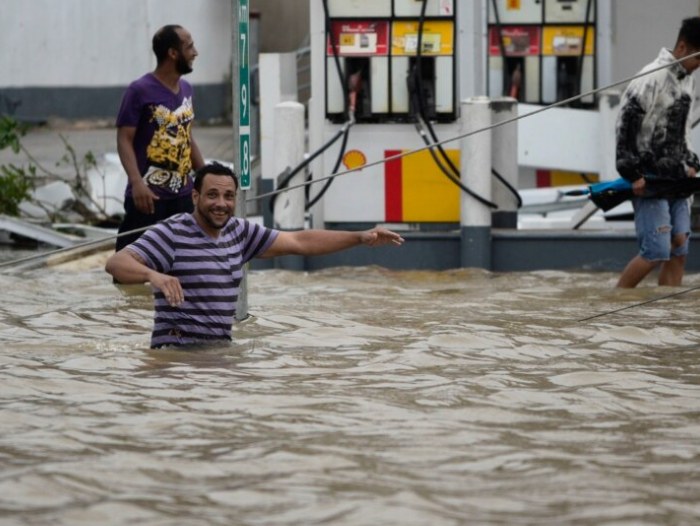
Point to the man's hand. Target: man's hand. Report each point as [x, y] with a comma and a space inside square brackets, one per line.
[170, 287]
[692, 172]
[639, 186]
[380, 236]
[143, 198]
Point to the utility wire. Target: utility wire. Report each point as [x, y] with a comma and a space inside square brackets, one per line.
[77, 246]
[639, 304]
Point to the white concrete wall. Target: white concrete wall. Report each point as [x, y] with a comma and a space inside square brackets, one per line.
[284, 24]
[96, 43]
[640, 28]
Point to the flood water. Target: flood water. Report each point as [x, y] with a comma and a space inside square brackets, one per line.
[353, 396]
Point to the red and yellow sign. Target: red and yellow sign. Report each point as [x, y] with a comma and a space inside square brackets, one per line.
[438, 38]
[518, 41]
[415, 190]
[359, 38]
[546, 178]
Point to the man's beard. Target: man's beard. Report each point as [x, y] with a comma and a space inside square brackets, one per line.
[182, 67]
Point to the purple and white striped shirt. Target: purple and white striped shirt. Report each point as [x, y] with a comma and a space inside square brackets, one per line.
[210, 272]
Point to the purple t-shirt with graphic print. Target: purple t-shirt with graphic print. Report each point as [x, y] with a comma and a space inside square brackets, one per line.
[210, 272]
[162, 142]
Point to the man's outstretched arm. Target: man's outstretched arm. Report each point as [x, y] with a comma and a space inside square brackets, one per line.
[320, 242]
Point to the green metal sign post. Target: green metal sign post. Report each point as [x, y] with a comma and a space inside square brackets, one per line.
[244, 93]
[240, 87]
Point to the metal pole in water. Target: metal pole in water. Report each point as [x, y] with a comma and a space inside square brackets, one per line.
[241, 125]
[504, 158]
[475, 167]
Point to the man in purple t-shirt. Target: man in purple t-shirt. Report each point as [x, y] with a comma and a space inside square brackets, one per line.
[154, 136]
[194, 262]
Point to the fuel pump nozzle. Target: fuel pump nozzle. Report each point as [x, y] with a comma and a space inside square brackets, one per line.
[354, 88]
[516, 82]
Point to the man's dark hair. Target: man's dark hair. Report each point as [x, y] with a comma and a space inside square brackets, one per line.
[165, 39]
[213, 169]
[690, 32]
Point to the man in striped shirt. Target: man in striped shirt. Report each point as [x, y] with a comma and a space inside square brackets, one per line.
[194, 261]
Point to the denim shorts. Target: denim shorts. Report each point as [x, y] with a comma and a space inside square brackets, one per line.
[656, 222]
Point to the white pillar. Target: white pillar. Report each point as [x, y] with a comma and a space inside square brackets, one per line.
[475, 167]
[317, 124]
[504, 159]
[289, 152]
[608, 108]
[278, 83]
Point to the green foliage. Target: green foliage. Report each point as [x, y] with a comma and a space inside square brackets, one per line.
[81, 166]
[16, 183]
[10, 133]
[15, 186]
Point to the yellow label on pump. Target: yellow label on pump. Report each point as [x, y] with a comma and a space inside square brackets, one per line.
[567, 40]
[347, 39]
[513, 5]
[438, 38]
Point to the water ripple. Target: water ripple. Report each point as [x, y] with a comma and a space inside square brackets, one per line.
[353, 396]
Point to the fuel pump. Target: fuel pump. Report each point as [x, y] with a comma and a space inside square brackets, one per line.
[381, 63]
[542, 51]
[375, 42]
[361, 47]
[568, 50]
[395, 62]
[437, 76]
[515, 37]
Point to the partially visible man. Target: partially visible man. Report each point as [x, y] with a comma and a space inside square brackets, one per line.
[154, 136]
[194, 261]
[653, 142]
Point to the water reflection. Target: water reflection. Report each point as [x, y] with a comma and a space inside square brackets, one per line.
[353, 396]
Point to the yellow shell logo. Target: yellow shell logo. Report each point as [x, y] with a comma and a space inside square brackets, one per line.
[354, 159]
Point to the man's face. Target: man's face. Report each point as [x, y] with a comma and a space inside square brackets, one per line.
[215, 204]
[186, 54]
[692, 63]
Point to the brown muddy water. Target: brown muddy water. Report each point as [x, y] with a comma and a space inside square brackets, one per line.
[353, 396]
